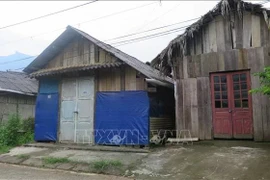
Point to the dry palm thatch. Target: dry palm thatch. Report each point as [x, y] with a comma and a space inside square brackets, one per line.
[165, 61]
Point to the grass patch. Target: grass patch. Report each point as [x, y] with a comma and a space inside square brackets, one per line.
[105, 164]
[54, 160]
[23, 156]
[4, 149]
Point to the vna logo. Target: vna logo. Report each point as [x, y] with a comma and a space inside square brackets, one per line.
[117, 137]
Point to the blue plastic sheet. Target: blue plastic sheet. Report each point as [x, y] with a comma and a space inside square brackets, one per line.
[46, 117]
[48, 86]
[122, 118]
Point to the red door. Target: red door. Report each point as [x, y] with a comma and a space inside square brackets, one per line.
[231, 104]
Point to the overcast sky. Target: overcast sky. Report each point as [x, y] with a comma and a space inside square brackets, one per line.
[33, 37]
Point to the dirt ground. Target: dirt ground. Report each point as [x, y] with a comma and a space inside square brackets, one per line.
[211, 160]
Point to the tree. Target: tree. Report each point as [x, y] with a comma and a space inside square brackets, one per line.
[264, 81]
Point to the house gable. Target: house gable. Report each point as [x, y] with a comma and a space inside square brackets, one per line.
[80, 51]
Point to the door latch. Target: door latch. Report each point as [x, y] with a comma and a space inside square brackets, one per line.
[76, 112]
[230, 111]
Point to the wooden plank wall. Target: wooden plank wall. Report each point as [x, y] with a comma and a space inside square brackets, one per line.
[220, 35]
[80, 51]
[110, 80]
[193, 94]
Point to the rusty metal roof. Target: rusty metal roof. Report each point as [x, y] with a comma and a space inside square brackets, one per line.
[59, 70]
[57, 45]
[17, 82]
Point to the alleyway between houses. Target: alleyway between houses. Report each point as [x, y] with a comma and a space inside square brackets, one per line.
[212, 160]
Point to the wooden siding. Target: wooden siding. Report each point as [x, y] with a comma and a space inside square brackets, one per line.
[220, 35]
[193, 108]
[80, 52]
[116, 80]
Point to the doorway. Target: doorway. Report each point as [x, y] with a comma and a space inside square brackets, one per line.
[231, 105]
[77, 110]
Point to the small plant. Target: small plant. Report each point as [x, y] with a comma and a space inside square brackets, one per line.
[4, 149]
[16, 131]
[23, 156]
[105, 164]
[28, 125]
[264, 81]
[54, 160]
[9, 131]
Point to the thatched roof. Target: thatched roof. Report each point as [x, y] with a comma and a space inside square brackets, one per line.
[164, 62]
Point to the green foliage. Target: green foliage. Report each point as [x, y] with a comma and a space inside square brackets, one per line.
[16, 131]
[28, 124]
[10, 130]
[23, 156]
[4, 149]
[105, 164]
[54, 160]
[264, 81]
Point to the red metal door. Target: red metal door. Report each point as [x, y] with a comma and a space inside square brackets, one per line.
[231, 105]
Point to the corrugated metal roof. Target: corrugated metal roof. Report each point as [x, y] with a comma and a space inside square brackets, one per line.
[17, 82]
[59, 70]
[55, 47]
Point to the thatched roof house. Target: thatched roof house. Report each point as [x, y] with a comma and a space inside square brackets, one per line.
[212, 64]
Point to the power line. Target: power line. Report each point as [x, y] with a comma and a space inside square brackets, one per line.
[16, 60]
[101, 17]
[149, 37]
[116, 13]
[152, 35]
[160, 16]
[17, 69]
[50, 14]
[120, 42]
[124, 42]
[149, 30]
[129, 41]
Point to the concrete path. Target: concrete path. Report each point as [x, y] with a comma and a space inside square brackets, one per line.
[222, 160]
[207, 160]
[14, 172]
[114, 163]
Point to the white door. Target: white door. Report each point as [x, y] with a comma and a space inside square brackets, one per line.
[77, 110]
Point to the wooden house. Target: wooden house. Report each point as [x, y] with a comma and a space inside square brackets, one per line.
[213, 63]
[88, 88]
[17, 95]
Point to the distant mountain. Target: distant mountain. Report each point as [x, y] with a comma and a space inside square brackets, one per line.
[15, 62]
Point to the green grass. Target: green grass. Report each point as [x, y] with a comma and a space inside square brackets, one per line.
[23, 156]
[105, 164]
[4, 149]
[54, 160]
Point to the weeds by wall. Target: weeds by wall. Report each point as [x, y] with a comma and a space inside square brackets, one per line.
[16, 131]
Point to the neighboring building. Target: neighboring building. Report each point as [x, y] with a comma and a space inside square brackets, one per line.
[17, 95]
[91, 90]
[213, 63]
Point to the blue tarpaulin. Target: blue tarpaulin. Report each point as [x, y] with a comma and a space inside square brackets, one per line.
[48, 86]
[122, 118]
[46, 117]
